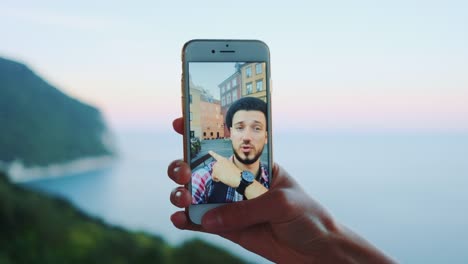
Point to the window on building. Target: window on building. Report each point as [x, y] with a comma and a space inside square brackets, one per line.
[228, 99]
[190, 98]
[234, 82]
[258, 68]
[259, 85]
[248, 71]
[248, 87]
[228, 86]
[223, 101]
[234, 95]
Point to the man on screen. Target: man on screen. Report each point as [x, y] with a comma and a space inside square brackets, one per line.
[242, 176]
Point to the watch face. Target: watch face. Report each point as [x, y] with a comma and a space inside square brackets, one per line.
[248, 176]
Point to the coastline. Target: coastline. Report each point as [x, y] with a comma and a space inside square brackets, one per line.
[18, 173]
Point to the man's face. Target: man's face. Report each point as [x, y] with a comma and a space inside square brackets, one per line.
[248, 135]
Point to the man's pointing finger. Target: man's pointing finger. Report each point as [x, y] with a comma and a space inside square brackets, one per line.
[215, 155]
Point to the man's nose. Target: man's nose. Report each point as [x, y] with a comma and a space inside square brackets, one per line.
[247, 136]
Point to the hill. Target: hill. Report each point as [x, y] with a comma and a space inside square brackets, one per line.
[41, 125]
[36, 228]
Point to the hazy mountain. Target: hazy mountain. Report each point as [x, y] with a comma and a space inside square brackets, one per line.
[40, 125]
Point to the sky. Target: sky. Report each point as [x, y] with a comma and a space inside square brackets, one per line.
[336, 65]
[210, 75]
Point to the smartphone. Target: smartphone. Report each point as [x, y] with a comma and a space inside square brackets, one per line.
[226, 99]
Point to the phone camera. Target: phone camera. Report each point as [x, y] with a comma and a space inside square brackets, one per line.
[213, 51]
[227, 45]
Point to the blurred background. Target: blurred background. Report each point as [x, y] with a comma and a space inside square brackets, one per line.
[370, 108]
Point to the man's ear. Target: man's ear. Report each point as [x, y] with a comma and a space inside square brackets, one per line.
[266, 137]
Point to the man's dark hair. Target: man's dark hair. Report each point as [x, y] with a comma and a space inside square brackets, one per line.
[248, 104]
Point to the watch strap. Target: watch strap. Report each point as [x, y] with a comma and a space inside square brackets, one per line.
[242, 185]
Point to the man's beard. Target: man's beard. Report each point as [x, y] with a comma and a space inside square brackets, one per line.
[248, 161]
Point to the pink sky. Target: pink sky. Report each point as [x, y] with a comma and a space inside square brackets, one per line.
[361, 112]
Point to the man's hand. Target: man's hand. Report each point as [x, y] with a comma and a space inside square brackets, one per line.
[284, 225]
[225, 171]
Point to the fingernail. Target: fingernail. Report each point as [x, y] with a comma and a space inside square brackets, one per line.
[178, 194]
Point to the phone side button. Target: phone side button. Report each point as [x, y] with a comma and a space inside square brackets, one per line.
[271, 86]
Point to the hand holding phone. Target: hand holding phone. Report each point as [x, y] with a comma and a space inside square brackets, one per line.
[285, 225]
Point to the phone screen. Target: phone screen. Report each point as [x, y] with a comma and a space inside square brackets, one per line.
[228, 107]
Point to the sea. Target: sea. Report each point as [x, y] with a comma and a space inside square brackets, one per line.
[406, 193]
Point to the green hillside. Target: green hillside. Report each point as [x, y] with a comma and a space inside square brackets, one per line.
[35, 228]
[41, 125]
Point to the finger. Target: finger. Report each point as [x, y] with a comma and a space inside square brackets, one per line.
[181, 197]
[179, 172]
[240, 215]
[178, 125]
[215, 155]
[246, 238]
[181, 221]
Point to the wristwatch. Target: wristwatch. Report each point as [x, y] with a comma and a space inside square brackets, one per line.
[247, 178]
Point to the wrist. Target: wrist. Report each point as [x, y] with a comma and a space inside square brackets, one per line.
[235, 181]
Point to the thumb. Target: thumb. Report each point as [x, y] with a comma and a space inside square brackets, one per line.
[215, 155]
[269, 207]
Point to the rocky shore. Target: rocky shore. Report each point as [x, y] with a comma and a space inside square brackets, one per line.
[18, 173]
